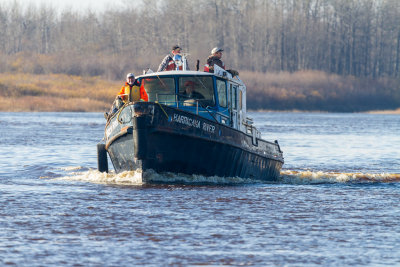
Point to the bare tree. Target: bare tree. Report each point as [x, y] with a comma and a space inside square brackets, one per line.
[347, 37]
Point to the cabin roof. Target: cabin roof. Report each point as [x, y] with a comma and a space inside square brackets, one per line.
[187, 72]
[177, 72]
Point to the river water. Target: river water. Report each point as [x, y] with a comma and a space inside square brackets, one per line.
[336, 203]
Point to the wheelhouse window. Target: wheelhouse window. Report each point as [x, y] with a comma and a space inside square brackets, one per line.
[194, 89]
[234, 96]
[221, 89]
[161, 89]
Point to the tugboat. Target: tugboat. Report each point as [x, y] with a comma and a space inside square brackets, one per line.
[193, 123]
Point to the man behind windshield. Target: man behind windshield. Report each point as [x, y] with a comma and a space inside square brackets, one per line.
[189, 92]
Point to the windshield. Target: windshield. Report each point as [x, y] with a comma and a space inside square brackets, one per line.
[160, 89]
[197, 88]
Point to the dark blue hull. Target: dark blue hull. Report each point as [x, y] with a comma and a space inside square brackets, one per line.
[166, 139]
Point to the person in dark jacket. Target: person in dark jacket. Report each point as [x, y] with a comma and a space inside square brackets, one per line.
[190, 92]
[214, 59]
[168, 62]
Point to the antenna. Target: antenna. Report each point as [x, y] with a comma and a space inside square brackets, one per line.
[184, 61]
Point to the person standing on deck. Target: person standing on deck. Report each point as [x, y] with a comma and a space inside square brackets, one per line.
[168, 62]
[132, 88]
[214, 59]
[132, 91]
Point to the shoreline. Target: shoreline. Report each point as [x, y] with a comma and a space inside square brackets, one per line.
[389, 111]
[392, 112]
[48, 110]
[25, 92]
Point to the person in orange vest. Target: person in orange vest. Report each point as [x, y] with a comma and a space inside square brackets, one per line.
[214, 59]
[168, 62]
[132, 89]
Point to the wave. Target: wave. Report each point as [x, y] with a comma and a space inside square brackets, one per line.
[314, 177]
[138, 177]
[96, 177]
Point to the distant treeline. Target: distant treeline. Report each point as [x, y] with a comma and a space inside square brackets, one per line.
[345, 37]
[280, 47]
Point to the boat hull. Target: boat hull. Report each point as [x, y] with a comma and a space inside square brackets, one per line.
[166, 139]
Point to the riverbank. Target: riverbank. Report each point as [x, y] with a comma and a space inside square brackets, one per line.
[397, 111]
[389, 111]
[320, 91]
[310, 91]
[55, 92]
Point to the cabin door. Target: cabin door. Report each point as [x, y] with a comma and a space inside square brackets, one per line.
[234, 106]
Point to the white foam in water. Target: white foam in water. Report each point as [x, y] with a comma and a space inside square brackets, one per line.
[310, 177]
[286, 177]
[150, 176]
[94, 176]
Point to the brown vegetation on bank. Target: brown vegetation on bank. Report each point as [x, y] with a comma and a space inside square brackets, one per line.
[319, 91]
[306, 90]
[392, 112]
[55, 92]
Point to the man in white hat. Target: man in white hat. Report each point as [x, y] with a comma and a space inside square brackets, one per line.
[132, 91]
[214, 59]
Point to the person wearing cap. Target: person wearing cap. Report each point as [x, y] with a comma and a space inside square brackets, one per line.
[132, 88]
[190, 92]
[168, 62]
[132, 91]
[214, 59]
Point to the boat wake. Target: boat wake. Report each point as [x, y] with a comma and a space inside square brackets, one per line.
[149, 176]
[318, 177]
[96, 177]
[286, 177]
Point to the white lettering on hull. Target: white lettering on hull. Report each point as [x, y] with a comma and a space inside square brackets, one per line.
[193, 123]
[186, 121]
[208, 127]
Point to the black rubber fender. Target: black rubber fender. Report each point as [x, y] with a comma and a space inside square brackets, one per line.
[102, 163]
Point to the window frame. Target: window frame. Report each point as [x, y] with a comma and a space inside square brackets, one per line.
[172, 92]
[218, 92]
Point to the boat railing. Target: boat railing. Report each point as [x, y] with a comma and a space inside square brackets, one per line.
[251, 129]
